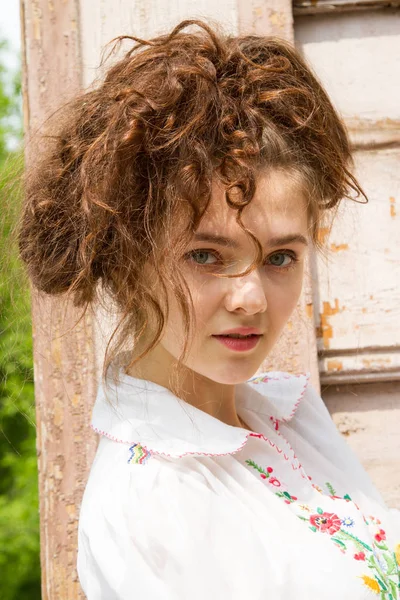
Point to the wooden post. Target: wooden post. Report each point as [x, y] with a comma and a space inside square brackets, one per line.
[64, 363]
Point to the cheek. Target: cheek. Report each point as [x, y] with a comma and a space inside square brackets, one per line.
[207, 296]
[282, 298]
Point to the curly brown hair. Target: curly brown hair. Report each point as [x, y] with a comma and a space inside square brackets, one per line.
[136, 155]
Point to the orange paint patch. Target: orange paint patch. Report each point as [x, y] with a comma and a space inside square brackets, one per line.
[339, 247]
[75, 400]
[376, 362]
[322, 234]
[325, 330]
[309, 310]
[334, 365]
[392, 206]
[71, 510]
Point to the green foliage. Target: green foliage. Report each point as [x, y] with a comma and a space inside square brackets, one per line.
[19, 516]
[10, 106]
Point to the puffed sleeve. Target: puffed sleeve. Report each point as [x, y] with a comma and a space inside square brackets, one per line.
[168, 529]
[118, 558]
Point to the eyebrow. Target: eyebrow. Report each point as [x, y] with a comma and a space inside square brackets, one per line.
[229, 243]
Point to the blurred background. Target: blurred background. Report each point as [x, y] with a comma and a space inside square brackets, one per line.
[346, 330]
[19, 507]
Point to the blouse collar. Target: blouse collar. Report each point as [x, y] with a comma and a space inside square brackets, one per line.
[136, 411]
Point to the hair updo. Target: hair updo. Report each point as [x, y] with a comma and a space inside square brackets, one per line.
[136, 155]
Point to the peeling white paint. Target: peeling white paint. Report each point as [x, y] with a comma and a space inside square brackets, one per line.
[357, 57]
[103, 21]
[364, 278]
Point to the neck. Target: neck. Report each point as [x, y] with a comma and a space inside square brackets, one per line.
[214, 398]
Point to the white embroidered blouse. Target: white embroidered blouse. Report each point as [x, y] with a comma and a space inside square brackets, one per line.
[181, 506]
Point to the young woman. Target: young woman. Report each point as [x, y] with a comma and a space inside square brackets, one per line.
[188, 186]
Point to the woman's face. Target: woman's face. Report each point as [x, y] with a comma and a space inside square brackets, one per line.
[263, 300]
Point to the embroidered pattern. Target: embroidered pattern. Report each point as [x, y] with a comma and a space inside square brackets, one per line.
[139, 455]
[275, 422]
[260, 379]
[265, 474]
[384, 565]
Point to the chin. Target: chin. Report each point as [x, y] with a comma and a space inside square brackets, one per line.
[231, 374]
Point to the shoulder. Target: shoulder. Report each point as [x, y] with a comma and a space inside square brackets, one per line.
[143, 525]
[120, 468]
[127, 479]
[311, 405]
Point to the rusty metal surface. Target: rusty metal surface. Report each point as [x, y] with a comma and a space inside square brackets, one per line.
[64, 363]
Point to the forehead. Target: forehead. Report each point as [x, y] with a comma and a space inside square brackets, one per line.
[279, 205]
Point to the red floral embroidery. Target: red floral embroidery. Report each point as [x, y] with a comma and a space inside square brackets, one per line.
[380, 536]
[326, 522]
[265, 473]
[287, 497]
[386, 579]
[275, 482]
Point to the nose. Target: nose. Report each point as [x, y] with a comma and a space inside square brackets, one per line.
[246, 293]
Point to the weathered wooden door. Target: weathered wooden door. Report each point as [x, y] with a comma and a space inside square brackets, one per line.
[354, 47]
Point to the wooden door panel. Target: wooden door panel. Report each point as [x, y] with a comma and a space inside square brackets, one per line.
[357, 57]
[357, 296]
[356, 291]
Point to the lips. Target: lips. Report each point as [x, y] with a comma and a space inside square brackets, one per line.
[237, 336]
[244, 331]
[238, 344]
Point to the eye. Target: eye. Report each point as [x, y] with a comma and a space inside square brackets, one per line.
[206, 257]
[201, 255]
[276, 260]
